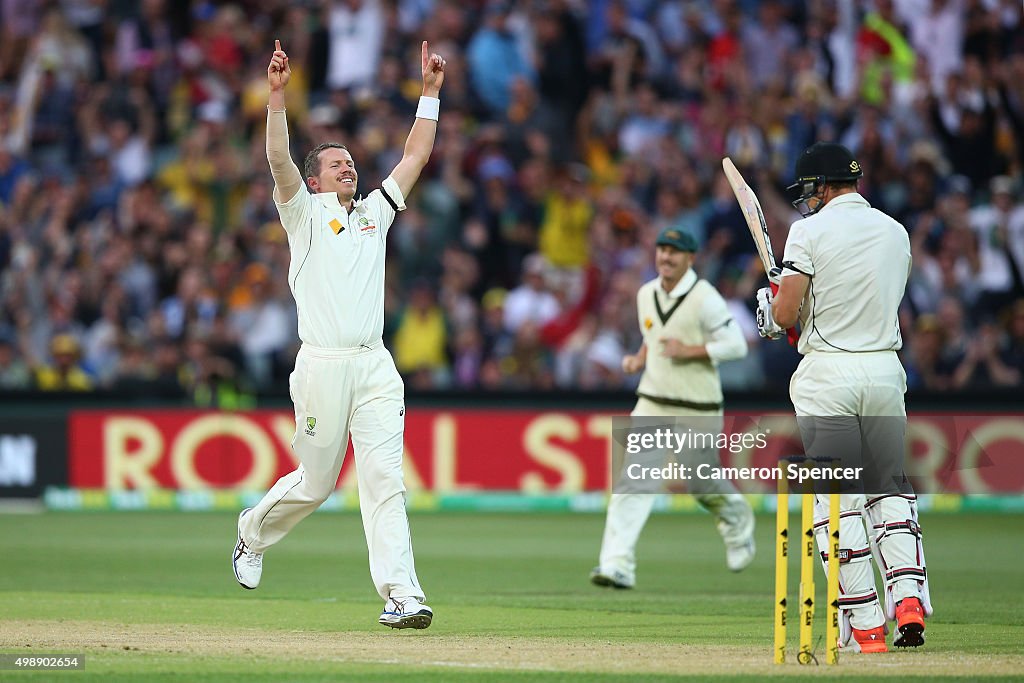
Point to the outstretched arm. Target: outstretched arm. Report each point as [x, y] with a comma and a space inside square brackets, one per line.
[421, 138]
[287, 179]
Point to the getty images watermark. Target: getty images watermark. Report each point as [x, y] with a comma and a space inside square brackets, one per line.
[655, 455]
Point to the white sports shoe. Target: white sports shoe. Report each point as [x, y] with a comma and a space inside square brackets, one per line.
[247, 565]
[406, 613]
[615, 579]
[739, 556]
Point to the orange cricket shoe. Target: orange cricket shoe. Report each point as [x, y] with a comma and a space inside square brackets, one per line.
[871, 640]
[909, 623]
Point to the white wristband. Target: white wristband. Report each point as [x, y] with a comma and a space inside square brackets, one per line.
[428, 108]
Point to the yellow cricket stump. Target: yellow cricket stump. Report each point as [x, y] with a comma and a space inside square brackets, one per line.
[832, 604]
[805, 655]
[781, 563]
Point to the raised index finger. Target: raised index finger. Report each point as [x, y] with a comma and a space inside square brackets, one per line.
[277, 46]
[423, 54]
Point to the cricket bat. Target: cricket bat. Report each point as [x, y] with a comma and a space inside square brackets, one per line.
[758, 227]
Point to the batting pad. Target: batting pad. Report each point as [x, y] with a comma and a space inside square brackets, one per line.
[899, 551]
[857, 595]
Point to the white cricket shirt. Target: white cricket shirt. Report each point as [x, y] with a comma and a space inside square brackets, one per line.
[858, 260]
[695, 314]
[337, 264]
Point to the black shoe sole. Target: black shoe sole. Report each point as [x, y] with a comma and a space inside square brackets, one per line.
[418, 621]
[911, 635]
[601, 580]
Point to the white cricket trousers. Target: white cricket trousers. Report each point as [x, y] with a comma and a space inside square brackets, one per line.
[338, 392]
[628, 512]
[850, 406]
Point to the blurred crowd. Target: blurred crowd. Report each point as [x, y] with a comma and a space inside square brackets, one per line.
[140, 249]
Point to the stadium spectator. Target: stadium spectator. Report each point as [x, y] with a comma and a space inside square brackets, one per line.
[19, 21]
[421, 338]
[982, 366]
[14, 373]
[925, 366]
[937, 35]
[495, 57]
[562, 80]
[263, 325]
[65, 372]
[1001, 250]
[468, 353]
[568, 211]
[1013, 352]
[497, 340]
[768, 43]
[530, 302]
[884, 54]
[355, 30]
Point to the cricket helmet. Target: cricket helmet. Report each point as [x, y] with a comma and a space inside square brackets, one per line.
[820, 164]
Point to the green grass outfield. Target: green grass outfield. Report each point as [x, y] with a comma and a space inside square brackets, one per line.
[149, 596]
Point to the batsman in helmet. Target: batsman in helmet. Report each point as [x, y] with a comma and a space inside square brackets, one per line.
[844, 272]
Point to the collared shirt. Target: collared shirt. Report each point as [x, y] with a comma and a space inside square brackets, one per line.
[858, 262]
[337, 264]
[695, 314]
[723, 337]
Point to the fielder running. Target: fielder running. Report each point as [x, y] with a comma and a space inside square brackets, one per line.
[687, 330]
[345, 381]
[844, 272]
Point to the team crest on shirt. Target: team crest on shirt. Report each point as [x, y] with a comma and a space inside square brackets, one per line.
[311, 426]
[648, 323]
[366, 227]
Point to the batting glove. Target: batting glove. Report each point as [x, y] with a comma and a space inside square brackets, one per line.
[766, 325]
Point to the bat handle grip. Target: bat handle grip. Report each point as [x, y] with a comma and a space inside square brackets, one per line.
[791, 334]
